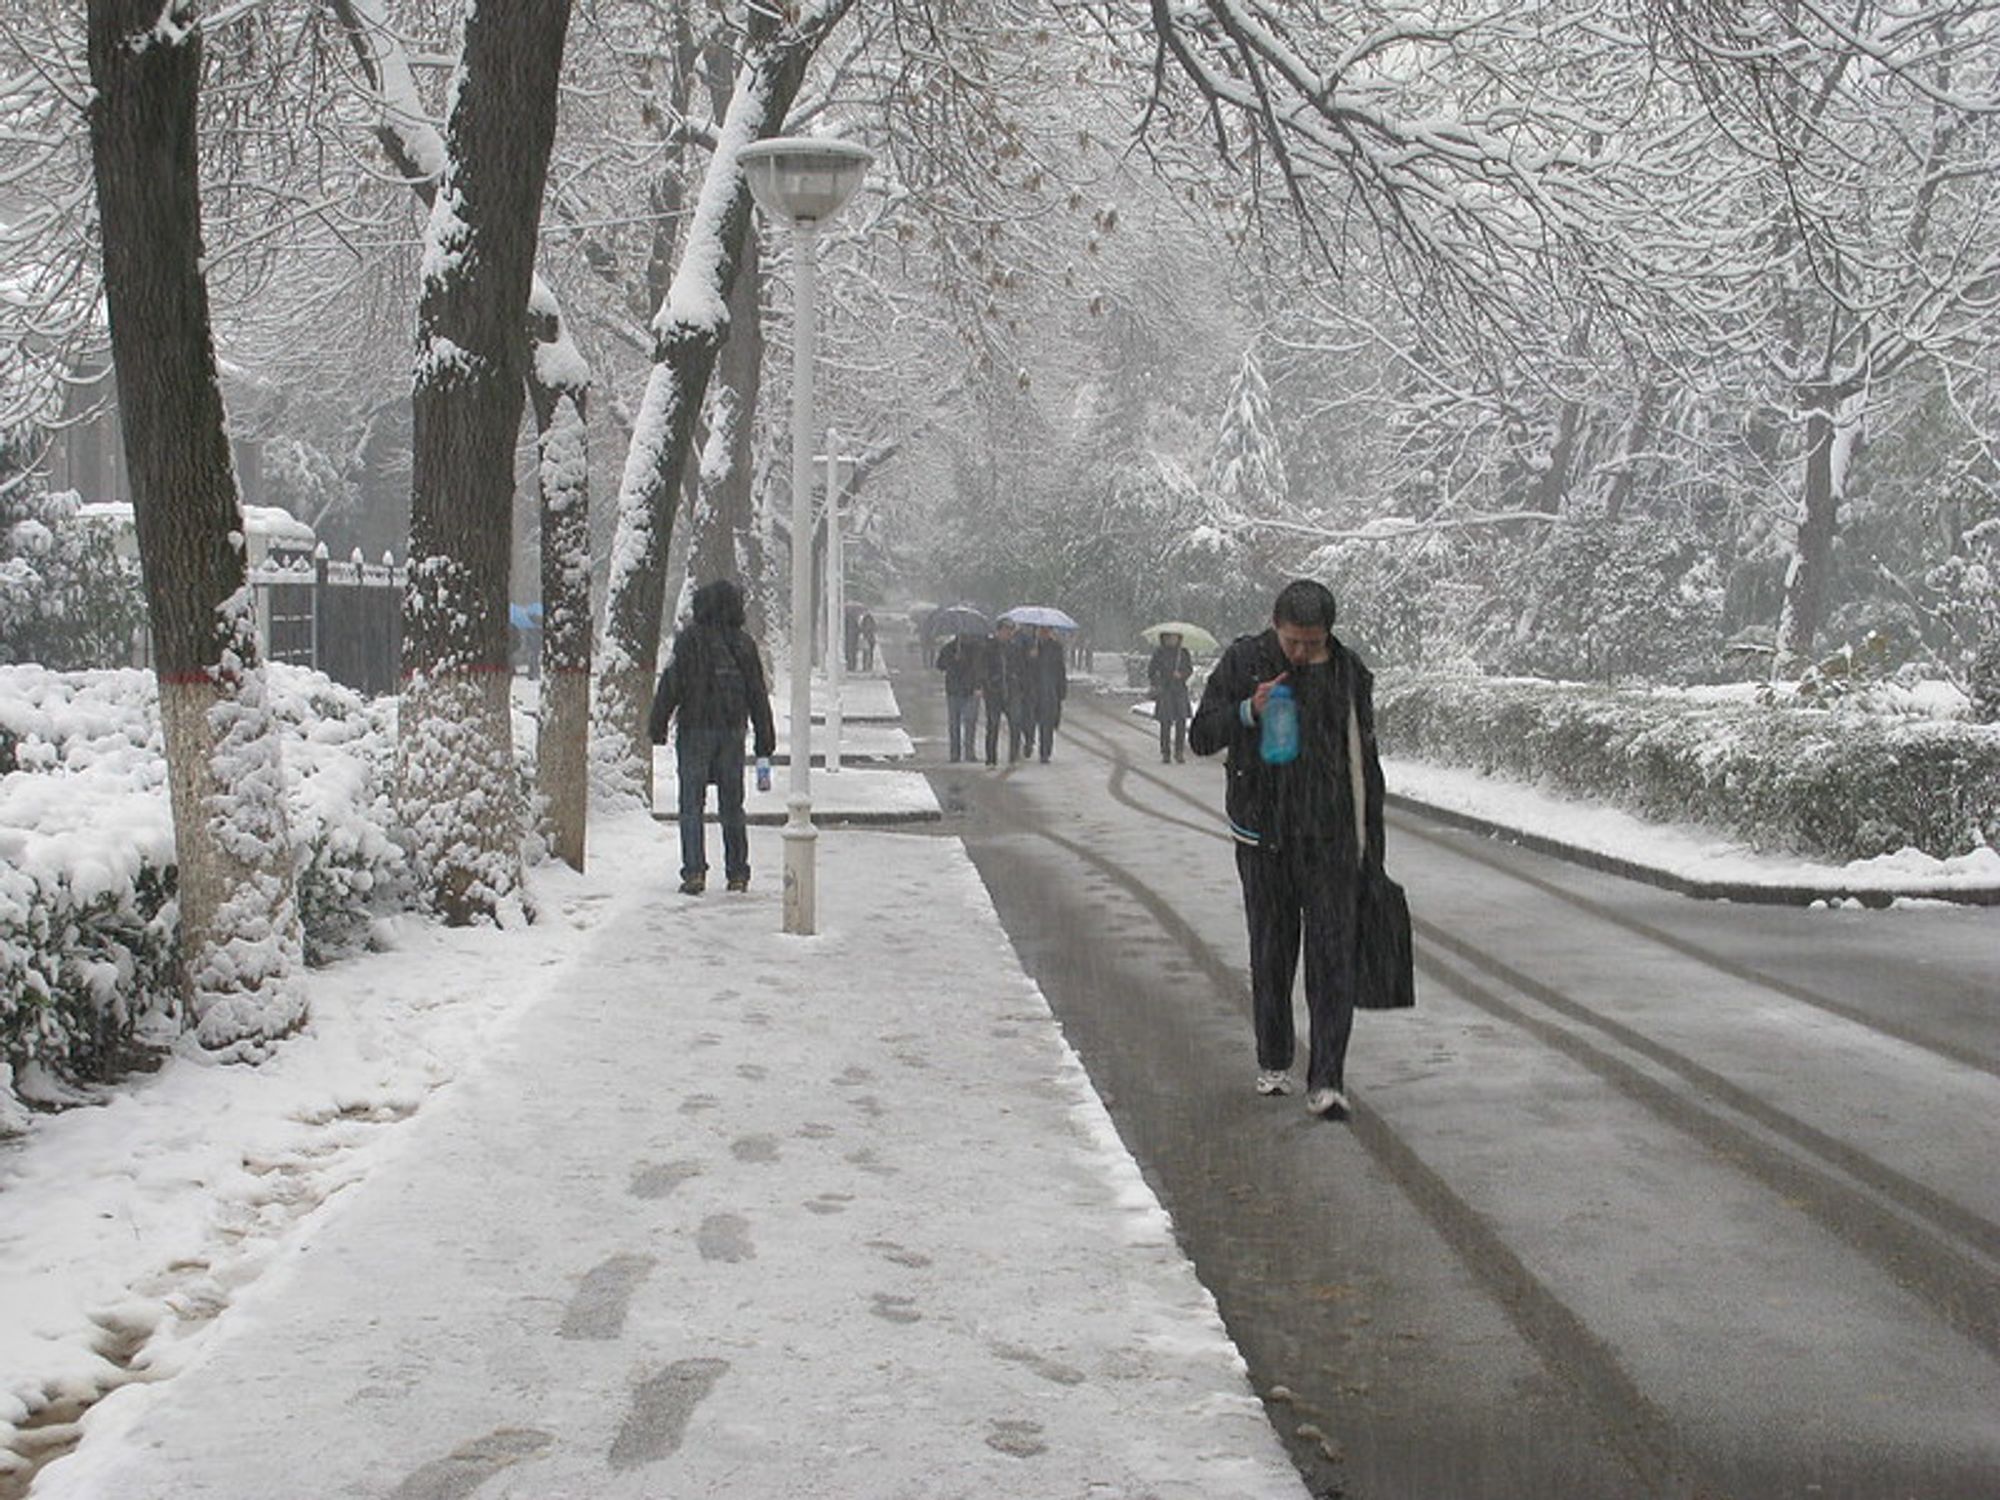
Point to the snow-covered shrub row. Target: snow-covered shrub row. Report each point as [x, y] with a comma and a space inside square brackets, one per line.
[1838, 784]
[87, 910]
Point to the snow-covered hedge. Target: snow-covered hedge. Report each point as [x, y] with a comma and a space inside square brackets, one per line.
[1838, 784]
[87, 908]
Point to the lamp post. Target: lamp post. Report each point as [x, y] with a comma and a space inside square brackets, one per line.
[839, 474]
[802, 182]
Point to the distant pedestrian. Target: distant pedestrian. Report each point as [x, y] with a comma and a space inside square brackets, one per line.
[1046, 686]
[962, 659]
[1296, 829]
[1167, 673]
[1003, 690]
[867, 629]
[714, 688]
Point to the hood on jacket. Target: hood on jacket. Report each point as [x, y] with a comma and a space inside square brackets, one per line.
[719, 602]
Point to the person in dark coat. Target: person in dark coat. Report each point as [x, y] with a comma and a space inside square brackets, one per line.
[1046, 685]
[1002, 687]
[714, 688]
[962, 659]
[867, 629]
[1297, 829]
[1167, 673]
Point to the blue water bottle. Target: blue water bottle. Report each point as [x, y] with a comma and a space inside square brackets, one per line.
[1281, 727]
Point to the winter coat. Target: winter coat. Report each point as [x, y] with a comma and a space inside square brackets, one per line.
[1045, 679]
[962, 659]
[1005, 680]
[715, 679]
[1168, 674]
[1266, 804]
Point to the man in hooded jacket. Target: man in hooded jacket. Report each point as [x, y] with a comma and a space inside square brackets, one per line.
[1297, 829]
[714, 687]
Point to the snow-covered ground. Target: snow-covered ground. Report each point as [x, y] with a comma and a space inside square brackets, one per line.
[643, 1198]
[702, 1083]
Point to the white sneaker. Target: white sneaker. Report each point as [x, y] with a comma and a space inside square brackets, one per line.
[1329, 1102]
[1273, 1082]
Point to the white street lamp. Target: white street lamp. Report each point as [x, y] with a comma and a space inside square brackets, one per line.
[839, 474]
[802, 182]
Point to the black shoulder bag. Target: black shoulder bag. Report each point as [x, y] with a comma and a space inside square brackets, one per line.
[1384, 973]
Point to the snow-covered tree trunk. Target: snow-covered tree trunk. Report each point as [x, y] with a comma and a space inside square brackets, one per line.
[562, 751]
[558, 379]
[456, 785]
[240, 939]
[1983, 679]
[1638, 437]
[1832, 428]
[725, 542]
[688, 332]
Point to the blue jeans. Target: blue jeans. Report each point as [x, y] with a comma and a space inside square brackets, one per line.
[716, 755]
[964, 715]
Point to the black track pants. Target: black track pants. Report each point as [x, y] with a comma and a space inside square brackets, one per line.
[1304, 891]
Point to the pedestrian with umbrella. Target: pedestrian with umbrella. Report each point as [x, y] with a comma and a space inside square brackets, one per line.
[1003, 686]
[951, 621]
[962, 659]
[1295, 709]
[1045, 686]
[1167, 673]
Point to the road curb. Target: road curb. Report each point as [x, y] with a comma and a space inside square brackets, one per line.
[1800, 893]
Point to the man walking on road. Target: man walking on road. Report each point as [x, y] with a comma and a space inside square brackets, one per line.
[1003, 693]
[714, 685]
[1047, 685]
[963, 662]
[1297, 828]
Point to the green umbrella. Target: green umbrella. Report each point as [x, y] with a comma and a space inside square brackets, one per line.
[1192, 636]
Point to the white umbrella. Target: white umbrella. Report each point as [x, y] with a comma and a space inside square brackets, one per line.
[1192, 636]
[1040, 614]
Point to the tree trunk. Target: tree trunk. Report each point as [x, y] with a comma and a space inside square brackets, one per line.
[457, 787]
[562, 750]
[1638, 438]
[1831, 429]
[689, 330]
[240, 941]
[723, 515]
[558, 379]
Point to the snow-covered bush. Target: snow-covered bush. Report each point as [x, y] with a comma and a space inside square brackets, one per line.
[67, 599]
[87, 911]
[1605, 600]
[1835, 784]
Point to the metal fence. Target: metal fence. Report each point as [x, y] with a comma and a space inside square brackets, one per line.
[343, 618]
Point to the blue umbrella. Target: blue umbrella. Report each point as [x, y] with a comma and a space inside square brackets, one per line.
[1040, 614]
[525, 616]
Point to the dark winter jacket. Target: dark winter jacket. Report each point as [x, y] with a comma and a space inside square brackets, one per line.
[1045, 678]
[962, 659]
[1313, 794]
[715, 679]
[1004, 681]
[1167, 674]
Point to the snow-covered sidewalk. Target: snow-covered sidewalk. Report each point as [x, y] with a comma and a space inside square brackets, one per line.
[682, 1206]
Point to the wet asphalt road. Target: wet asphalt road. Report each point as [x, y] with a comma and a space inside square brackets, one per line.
[1649, 1197]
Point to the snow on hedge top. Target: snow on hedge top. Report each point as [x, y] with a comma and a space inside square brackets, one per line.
[87, 803]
